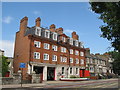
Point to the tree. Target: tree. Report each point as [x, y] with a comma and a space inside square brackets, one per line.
[4, 65]
[116, 66]
[110, 14]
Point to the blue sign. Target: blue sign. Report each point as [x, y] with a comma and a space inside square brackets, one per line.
[22, 65]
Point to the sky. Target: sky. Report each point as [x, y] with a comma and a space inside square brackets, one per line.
[71, 16]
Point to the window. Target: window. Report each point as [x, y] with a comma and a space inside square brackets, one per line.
[46, 46]
[37, 44]
[63, 39]
[87, 60]
[71, 51]
[76, 70]
[91, 69]
[38, 31]
[62, 70]
[36, 55]
[54, 47]
[77, 61]
[71, 60]
[81, 53]
[55, 36]
[54, 58]
[76, 43]
[82, 61]
[91, 60]
[63, 59]
[47, 34]
[76, 52]
[71, 41]
[46, 56]
[63, 49]
[71, 70]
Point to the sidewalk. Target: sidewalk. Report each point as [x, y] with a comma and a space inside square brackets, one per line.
[52, 83]
[23, 85]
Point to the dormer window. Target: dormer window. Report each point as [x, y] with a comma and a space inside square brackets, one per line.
[55, 36]
[76, 43]
[63, 39]
[47, 34]
[38, 31]
[71, 41]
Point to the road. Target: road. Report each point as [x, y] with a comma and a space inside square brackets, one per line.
[106, 84]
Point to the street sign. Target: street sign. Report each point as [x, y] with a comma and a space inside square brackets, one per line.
[22, 65]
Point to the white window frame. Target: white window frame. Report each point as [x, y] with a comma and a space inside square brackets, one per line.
[63, 39]
[46, 46]
[55, 37]
[38, 32]
[71, 51]
[54, 47]
[76, 52]
[54, 58]
[48, 34]
[36, 55]
[37, 43]
[76, 43]
[46, 55]
[63, 59]
[71, 41]
[63, 49]
[77, 61]
[71, 60]
[81, 53]
[82, 61]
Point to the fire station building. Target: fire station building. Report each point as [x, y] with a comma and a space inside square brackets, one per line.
[48, 53]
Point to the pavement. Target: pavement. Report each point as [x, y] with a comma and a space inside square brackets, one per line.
[111, 83]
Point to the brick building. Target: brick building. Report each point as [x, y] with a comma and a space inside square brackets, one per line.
[48, 53]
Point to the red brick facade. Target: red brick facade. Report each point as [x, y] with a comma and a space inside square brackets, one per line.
[25, 48]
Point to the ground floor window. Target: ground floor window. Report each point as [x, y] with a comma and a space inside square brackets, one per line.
[62, 70]
[71, 70]
[76, 70]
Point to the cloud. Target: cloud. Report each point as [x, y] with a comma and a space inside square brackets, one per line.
[68, 31]
[8, 47]
[36, 12]
[7, 19]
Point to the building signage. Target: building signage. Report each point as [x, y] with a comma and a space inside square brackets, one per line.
[22, 65]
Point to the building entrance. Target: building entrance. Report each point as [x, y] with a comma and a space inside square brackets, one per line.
[39, 70]
[50, 73]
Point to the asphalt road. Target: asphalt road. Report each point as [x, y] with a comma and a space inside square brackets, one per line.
[106, 84]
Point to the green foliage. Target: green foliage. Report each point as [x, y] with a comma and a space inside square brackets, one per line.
[110, 14]
[116, 63]
[4, 65]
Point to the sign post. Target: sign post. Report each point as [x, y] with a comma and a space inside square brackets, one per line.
[22, 65]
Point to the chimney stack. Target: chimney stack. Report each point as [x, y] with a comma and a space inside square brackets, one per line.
[75, 36]
[23, 24]
[38, 22]
[52, 28]
[59, 30]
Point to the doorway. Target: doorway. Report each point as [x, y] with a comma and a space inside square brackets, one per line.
[50, 73]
